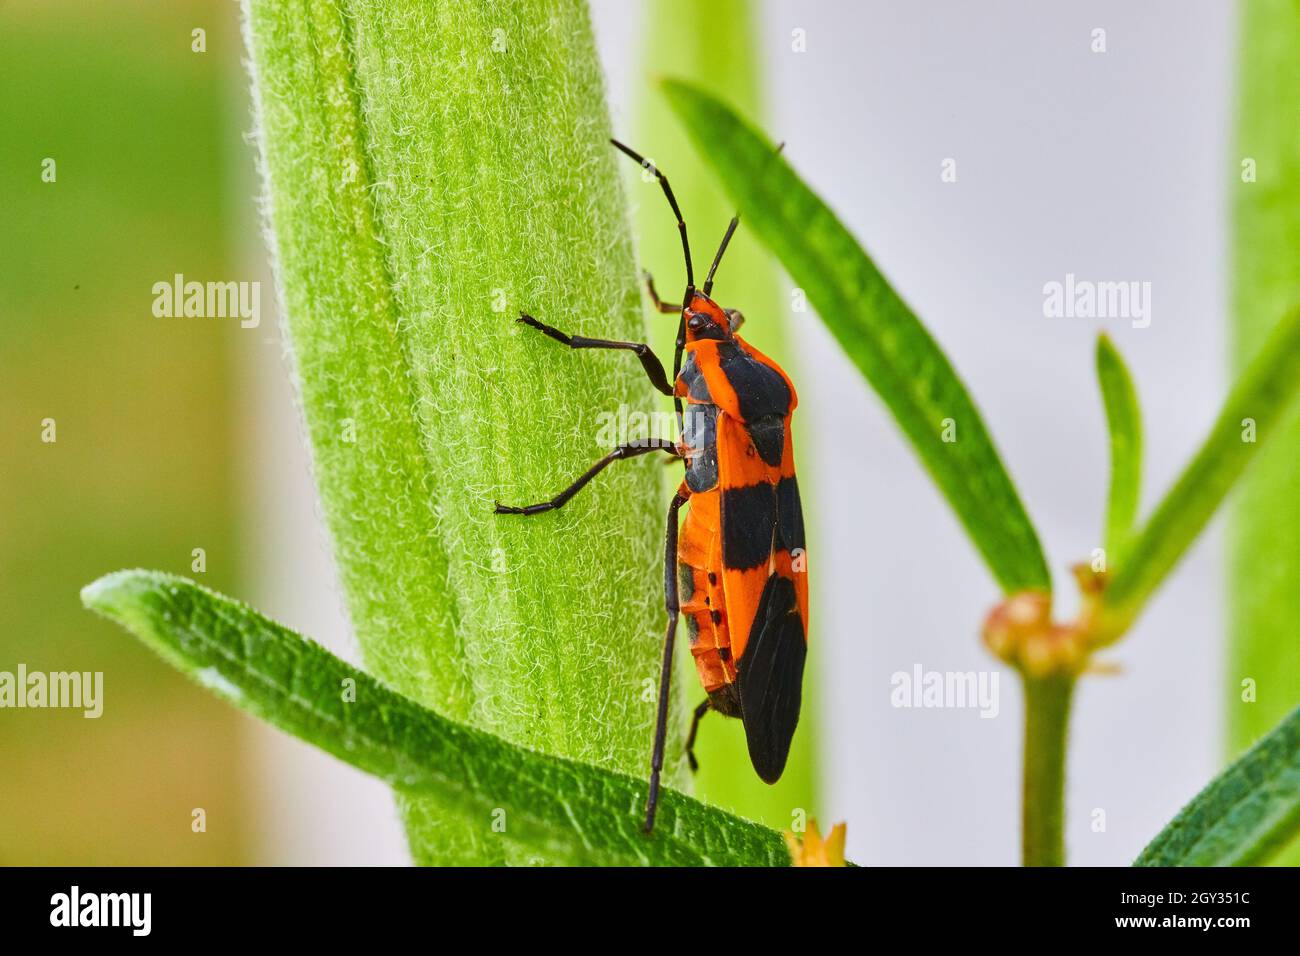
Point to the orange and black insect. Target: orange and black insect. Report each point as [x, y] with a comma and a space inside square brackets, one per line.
[737, 566]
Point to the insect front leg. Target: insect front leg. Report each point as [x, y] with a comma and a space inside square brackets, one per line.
[671, 605]
[654, 369]
[632, 450]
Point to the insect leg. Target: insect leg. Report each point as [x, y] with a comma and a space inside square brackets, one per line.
[690, 738]
[667, 308]
[666, 674]
[643, 447]
[654, 369]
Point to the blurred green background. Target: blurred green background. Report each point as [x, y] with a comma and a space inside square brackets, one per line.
[143, 469]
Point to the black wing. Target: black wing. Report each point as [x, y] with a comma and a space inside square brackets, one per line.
[770, 676]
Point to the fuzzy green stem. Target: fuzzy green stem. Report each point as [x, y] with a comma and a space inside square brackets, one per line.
[1047, 723]
[433, 168]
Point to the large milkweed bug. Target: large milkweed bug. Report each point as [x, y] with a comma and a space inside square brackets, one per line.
[737, 567]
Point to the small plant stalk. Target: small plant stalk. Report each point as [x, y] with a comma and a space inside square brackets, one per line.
[1047, 725]
[1049, 657]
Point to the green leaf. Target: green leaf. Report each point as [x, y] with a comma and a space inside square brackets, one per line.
[876, 329]
[1263, 187]
[565, 810]
[716, 44]
[1245, 814]
[1124, 420]
[1248, 419]
[431, 169]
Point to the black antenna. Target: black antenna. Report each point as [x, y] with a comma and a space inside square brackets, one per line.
[731, 228]
[672, 201]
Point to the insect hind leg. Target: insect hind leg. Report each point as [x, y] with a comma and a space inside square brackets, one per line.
[700, 711]
[672, 606]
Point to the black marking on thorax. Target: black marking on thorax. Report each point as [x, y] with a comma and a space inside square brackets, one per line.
[759, 388]
[763, 398]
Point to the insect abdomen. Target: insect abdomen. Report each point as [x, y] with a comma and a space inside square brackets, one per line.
[701, 596]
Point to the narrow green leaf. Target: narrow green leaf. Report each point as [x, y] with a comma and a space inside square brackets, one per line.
[1252, 410]
[571, 812]
[433, 167]
[1124, 420]
[877, 330]
[1245, 814]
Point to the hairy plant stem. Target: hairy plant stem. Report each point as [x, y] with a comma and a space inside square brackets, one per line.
[432, 168]
[1047, 724]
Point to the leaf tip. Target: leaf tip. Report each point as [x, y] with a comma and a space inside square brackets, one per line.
[683, 95]
[1106, 346]
[114, 595]
[99, 594]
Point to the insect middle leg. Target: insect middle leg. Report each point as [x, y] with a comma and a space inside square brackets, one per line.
[672, 606]
[632, 450]
[654, 369]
